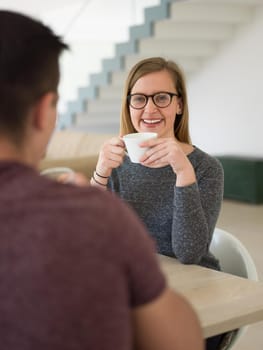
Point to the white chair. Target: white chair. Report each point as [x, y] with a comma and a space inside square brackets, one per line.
[235, 259]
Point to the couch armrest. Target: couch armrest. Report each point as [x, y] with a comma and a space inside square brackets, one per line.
[85, 165]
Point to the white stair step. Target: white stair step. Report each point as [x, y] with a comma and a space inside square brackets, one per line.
[229, 2]
[118, 78]
[99, 118]
[104, 106]
[199, 48]
[98, 123]
[210, 11]
[166, 29]
[110, 92]
[98, 128]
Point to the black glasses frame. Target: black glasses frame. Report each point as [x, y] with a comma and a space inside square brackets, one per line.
[171, 94]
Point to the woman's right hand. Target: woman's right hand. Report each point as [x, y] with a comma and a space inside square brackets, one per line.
[111, 156]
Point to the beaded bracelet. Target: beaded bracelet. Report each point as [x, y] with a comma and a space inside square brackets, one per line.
[97, 182]
[103, 177]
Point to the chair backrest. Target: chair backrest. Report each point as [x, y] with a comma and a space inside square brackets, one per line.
[235, 259]
[233, 256]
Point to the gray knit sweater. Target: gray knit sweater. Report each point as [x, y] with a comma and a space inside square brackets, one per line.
[180, 219]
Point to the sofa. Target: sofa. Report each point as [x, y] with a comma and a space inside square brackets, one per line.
[73, 149]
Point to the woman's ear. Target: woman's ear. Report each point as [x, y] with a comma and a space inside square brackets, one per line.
[179, 109]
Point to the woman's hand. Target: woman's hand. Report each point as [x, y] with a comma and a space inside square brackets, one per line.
[111, 156]
[78, 179]
[169, 151]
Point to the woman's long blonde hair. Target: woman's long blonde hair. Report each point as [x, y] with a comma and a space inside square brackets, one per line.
[150, 65]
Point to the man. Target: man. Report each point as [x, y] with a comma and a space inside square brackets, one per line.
[72, 273]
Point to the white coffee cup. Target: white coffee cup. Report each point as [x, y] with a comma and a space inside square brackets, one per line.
[132, 142]
[55, 172]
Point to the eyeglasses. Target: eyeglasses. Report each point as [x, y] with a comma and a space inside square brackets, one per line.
[160, 99]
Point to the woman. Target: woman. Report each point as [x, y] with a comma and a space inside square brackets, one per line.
[176, 189]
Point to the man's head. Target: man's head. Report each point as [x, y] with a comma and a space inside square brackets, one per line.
[29, 70]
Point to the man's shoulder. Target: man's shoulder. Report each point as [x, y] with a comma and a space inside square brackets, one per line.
[76, 197]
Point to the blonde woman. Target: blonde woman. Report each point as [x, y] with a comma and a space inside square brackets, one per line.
[177, 188]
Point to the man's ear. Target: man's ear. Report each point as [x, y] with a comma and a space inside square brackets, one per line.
[44, 110]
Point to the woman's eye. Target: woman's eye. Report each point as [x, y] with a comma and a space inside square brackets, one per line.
[139, 99]
[161, 98]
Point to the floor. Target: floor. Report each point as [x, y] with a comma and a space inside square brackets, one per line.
[245, 221]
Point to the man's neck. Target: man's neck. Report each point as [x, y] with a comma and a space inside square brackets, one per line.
[12, 152]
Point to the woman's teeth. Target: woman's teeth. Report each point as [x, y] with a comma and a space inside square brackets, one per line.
[151, 121]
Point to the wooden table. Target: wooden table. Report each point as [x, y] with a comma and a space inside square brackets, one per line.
[223, 302]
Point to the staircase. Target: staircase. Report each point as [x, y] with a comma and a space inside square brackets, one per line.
[191, 32]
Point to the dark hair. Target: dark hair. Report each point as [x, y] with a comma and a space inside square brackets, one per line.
[29, 68]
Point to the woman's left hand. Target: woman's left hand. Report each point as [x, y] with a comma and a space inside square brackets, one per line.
[169, 151]
[75, 178]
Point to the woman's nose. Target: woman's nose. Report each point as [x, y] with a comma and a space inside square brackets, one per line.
[150, 106]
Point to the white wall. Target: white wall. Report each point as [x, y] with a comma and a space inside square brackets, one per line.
[226, 97]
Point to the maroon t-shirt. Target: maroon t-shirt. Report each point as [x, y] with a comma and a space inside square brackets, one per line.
[73, 263]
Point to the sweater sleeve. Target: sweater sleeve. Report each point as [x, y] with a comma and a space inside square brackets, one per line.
[195, 211]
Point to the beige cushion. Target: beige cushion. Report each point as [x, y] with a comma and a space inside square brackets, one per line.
[76, 150]
[85, 165]
[69, 144]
